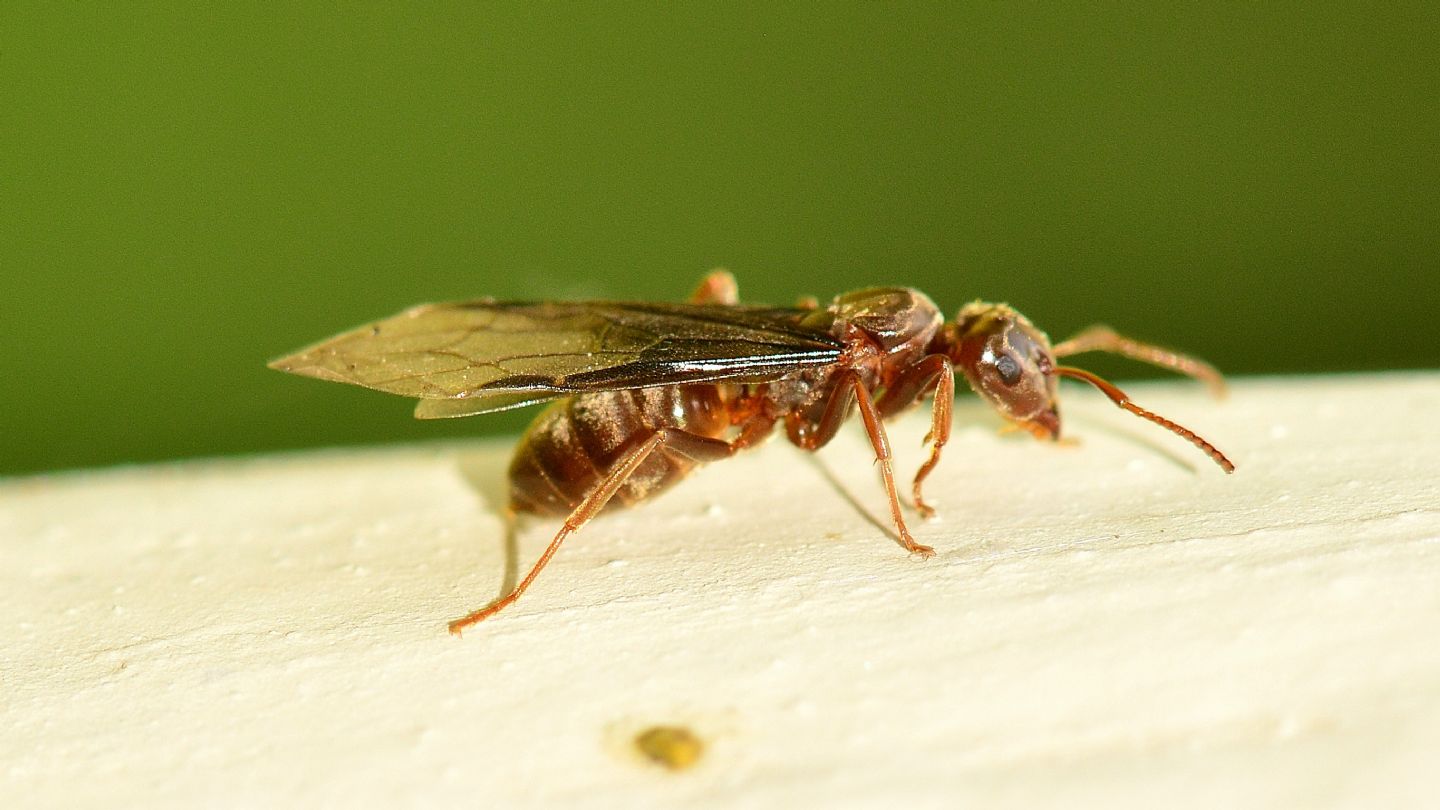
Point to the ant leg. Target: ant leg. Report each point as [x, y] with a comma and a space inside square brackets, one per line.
[718, 287]
[1101, 338]
[674, 440]
[850, 389]
[936, 370]
[876, 431]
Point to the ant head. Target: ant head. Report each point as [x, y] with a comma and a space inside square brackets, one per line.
[1012, 365]
[1008, 362]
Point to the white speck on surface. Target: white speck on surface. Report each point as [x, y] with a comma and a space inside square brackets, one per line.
[1093, 632]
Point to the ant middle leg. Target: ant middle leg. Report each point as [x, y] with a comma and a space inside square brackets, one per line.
[718, 287]
[850, 390]
[912, 383]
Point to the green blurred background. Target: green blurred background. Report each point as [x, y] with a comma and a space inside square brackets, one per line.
[192, 189]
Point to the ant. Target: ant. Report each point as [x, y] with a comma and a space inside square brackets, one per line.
[642, 393]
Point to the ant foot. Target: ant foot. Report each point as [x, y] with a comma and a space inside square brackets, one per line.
[924, 552]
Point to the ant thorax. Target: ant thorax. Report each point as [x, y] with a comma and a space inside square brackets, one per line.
[897, 323]
[885, 330]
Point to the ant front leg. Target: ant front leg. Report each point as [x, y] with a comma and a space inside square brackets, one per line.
[718, 287]
[912, 383]
[850, 389]
[1101, 338]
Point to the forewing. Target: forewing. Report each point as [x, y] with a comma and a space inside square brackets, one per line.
[480, 403]
[486, 349]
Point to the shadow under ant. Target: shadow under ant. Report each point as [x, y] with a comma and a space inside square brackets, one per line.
[1141, 438]
[484, 473]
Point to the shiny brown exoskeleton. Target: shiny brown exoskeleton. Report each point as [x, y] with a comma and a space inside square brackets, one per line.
[648, 391]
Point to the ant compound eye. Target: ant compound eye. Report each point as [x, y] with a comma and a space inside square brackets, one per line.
[1008, 369]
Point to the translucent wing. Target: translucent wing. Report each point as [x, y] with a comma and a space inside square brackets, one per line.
[506, 355]
[480, 403]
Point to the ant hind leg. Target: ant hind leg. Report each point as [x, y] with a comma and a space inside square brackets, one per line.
[670, 440]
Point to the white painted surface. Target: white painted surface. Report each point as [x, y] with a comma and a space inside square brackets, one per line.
[1117, 624]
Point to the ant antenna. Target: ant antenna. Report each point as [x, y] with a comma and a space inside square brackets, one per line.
[1120, 398]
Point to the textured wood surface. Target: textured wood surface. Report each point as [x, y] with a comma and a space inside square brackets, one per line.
[1117, 623]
